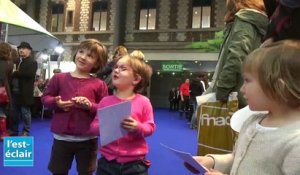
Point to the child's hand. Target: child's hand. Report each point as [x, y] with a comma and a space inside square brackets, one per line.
[206, 161]
[213, 172]
[64, 105]
[82, 102]
[130, 124]
[191, 168]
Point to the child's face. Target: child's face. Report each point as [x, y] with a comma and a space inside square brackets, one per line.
[256, 98]
[122, 75]
[85, 60]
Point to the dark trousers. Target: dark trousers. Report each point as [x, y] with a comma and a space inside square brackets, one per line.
[185, 106]
[20, 112]
[176, 104]
[36, 109]
[106, 167]
[63, 153]
[172, 105]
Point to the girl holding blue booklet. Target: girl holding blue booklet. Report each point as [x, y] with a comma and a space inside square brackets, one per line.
[127, 155]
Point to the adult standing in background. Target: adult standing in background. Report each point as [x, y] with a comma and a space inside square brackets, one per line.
[196, 89]
[246, 25]
[284, 18]
[6, 67]
[185, 97]
[22, 89]
[105, 75]
[177, 99]
[172, 97]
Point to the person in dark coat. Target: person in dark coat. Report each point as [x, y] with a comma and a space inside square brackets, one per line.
[105, 75]
[284, 18]
[22, 89]
[196, 89]
[172, 98]
[5, 73]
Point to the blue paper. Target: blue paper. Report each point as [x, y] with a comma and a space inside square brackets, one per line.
[187, 157]
[110, 119]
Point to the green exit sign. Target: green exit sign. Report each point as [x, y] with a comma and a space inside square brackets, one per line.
[171, 67]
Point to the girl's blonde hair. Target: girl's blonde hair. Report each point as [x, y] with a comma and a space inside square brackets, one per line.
[138, 54]
[140, 68]
[97, 48]
[277, 67]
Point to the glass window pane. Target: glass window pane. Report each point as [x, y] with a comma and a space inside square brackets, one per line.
[54, 23]
[152, 19]
[70, 18]
[196, 17]
[103, 20]
[206, 17]
[96, 20]
[60, 22]
[57, 18]
[143, 20]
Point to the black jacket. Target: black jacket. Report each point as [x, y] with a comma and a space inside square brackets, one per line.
[196, 88]
[26, 76]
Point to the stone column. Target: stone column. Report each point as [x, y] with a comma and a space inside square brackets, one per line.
[164, 19]
[43, 13]
[84, 15]
[130, 20]
[182, 18]
[219, 13]
[31, 8]
[119, 16]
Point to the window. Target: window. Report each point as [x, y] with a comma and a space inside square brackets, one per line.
[148, 15]
[99, 16]
[70, 18]
[57, 18]
[201, 14]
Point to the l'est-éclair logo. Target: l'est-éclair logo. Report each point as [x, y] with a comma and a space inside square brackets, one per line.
[18, 151]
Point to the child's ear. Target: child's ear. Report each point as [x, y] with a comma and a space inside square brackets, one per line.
[137, 79]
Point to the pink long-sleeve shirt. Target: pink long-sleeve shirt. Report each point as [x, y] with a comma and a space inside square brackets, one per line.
[133, 146]
[76, 121]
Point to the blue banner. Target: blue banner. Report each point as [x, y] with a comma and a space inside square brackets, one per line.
[18, 151]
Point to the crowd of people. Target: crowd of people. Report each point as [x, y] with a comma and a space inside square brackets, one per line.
[183, 98]
[74, 97]
[18, 73]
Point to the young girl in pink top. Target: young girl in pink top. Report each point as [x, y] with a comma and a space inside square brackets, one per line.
[126, 156]
[74, 126]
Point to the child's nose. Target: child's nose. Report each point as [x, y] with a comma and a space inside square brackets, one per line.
[242, 89]
[84, 56]
[116, 69]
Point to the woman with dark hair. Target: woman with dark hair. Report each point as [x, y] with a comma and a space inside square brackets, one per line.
[6, 67]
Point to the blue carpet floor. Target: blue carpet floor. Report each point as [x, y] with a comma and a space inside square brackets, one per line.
[171, 131]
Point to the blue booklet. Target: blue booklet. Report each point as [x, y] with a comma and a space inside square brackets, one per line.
[188, 158]
[110, 119]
